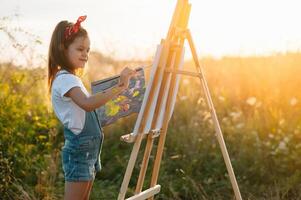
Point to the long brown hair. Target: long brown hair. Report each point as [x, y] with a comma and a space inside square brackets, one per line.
[57, 58]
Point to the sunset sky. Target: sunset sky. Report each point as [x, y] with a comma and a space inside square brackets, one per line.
[132, 28]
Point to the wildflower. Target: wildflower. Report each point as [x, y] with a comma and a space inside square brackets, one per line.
[240, 125]
[282, 145]
[281, 122]
[175, 156]
[235, 115]
[251, 101]
[200, 100]
[293, 101]
[221, 98]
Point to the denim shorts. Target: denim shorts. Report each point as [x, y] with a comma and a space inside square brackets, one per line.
[80, 158]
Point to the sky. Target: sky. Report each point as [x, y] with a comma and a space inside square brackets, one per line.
[131, 29]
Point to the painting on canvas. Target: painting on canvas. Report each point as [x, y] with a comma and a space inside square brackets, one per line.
[128, 102]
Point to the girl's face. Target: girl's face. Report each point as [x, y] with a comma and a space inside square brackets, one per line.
[78, 52]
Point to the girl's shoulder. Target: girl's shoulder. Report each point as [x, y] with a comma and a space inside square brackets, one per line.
[63, 77]
[64, 72]
[64, 81]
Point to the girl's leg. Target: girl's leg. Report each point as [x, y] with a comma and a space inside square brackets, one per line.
[76, 190]
[89, 190]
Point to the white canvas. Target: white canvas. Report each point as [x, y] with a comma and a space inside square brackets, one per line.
[178, 78]
[160, 118]
[146, 95]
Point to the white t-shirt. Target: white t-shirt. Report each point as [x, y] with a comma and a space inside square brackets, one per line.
[69, 113]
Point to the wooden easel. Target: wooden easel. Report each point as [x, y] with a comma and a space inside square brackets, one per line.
[158, 105]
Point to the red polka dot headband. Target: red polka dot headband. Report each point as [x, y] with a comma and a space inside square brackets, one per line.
[74, 29]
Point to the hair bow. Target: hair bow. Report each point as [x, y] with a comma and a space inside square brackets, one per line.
[74, 29]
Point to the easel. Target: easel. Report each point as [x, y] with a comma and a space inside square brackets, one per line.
[158, 105]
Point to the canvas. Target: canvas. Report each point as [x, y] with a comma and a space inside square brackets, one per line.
[128, 102]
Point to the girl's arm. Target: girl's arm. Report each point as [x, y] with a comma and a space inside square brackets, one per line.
[94, 101]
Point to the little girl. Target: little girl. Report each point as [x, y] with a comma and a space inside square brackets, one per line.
[74, 107]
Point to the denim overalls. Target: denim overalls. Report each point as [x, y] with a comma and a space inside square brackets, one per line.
[81, 153]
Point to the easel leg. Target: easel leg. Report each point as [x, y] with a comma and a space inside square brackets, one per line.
[148, 150]
[130, 167]
[219, 134]
[158, 159]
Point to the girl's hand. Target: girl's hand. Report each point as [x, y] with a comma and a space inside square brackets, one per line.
[125, 77]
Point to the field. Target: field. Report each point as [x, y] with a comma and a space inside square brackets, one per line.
[257, 100]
